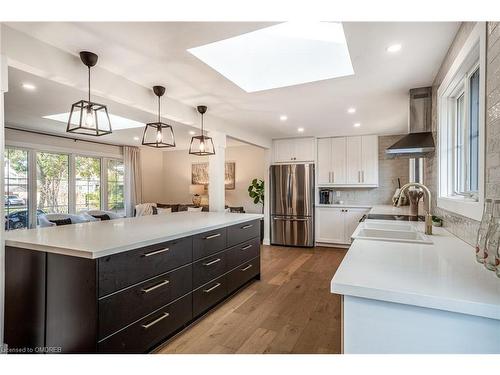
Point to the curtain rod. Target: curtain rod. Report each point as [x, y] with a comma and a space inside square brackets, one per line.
[61, 136]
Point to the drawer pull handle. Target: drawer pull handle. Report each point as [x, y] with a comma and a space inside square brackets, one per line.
[212, 262]
[159, 285]
[212, 236]
[157, 320]
[247, 226]
[246, 268]
[156, 252]
[212, 288]
[246, 247]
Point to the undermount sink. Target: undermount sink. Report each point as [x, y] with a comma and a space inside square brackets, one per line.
[386, 234]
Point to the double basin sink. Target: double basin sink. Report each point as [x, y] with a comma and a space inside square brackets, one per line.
[390, 231]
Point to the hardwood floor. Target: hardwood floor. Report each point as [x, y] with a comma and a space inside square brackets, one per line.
[291, 310]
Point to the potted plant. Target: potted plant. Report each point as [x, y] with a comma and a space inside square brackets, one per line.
[256, 192]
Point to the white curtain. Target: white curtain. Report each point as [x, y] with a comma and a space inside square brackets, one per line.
[133, 178]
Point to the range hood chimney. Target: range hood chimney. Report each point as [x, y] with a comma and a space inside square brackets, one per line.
[419, 143]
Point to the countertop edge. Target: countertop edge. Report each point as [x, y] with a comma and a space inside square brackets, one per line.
[450, 305]
[85, 253]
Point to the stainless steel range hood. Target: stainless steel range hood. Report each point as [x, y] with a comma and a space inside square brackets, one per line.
[419, 143]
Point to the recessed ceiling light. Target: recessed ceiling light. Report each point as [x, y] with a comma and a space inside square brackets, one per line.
[117, 121]
[283, 117]
[394, 48]
[357, 125]
[300, 130]
[308, 52]
[136, 138]
[29, 86]
[351, 110]
[192, 132]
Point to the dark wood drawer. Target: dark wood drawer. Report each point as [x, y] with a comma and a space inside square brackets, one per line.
[122, 308]
[243, 252]
[150, 331]
[121, 270]
[242, 232]
[242, 274]
[209, 268]
[208, 295]
[207, 243]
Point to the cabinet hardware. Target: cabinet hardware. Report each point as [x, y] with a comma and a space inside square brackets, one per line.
[246, 247]
[333, 176]
[246, 268]
[359, 176]
[159, 285]
[212, 236]
[212, 288]
[156, 252]
[157, 320]
[363, 176]
[212, 262]
[247, 226]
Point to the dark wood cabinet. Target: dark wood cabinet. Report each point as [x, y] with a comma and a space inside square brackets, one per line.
[208, 243]
[120, 309]
[124, 269]
[129, 302]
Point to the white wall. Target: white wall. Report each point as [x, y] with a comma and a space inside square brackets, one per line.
[167, 179]
[20, 138]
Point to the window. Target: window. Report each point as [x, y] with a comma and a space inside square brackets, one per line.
[52, 182]
[16, 188]
[461, 129]
[466, 140]
[115, 176]
[87, 183]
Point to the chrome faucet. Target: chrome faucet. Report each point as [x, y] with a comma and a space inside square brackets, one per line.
[428, 216]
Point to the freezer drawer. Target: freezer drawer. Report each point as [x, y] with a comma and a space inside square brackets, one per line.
[292, 231]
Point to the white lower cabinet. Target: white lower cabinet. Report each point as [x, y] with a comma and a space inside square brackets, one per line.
[336, 225]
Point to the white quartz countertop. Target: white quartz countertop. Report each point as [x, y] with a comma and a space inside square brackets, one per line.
[444, 275]
[388, 209]
[101, 238]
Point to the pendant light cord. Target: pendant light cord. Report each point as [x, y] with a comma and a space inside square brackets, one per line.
[202, 125]
[159, 113]
[89, 84]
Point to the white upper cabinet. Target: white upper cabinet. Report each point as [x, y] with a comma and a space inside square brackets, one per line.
[354, 156]
[348, 161]
[369, 160]
[324, 165]
[293, 150]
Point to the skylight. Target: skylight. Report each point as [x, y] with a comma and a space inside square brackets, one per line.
[286, 54]
[117, 122]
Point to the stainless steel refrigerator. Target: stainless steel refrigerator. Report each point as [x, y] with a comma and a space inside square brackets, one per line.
[292, 204]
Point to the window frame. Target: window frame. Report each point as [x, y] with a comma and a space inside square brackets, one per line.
[33, 149]
[469, 59]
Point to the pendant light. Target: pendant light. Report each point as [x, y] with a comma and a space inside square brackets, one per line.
[201, 145]
[158, 134]
[87, 117]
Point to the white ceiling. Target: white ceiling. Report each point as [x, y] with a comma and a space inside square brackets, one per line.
[25, 110]
[153, 53]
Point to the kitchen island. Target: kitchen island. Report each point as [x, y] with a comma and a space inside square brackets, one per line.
[417, 298]
[125, 285]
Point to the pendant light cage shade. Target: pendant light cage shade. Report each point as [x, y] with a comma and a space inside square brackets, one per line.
[201, 145]
[89, 118]
[159, 135]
